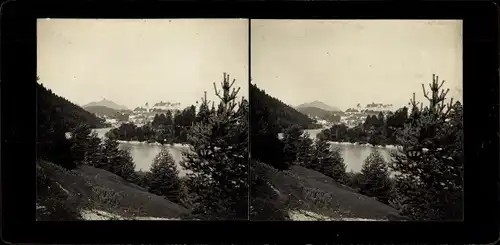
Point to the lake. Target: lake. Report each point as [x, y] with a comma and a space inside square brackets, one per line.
[354, 154]
[143, 153]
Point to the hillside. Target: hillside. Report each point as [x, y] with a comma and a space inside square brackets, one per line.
[269, 117]
[280, 113]
[58, 110]
[106, 103]
[319, 105]
[304, 194]
[92, 193]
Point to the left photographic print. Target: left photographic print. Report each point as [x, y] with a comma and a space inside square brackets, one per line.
[142, 119]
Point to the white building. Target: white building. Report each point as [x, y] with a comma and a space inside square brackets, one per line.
[165, 106]
[378, 107]
[111, 120]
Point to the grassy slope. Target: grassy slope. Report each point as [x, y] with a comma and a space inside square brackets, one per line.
[312, 191]
[92, 188]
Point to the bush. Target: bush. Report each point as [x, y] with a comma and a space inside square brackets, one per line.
[164, 177]
[374, 180]
[110, 198]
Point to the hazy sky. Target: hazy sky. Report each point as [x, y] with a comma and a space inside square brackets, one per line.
[135, 61]
[345, 62]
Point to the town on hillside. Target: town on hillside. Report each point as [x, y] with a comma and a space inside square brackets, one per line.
[354, 116]
[140, 115]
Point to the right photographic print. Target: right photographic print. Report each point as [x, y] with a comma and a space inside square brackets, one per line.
[356, 120]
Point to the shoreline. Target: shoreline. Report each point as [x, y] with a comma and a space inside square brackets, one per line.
[184, 145]
[135, 142]
[365, 144]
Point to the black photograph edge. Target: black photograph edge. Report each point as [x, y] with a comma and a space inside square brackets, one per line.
[480, 54]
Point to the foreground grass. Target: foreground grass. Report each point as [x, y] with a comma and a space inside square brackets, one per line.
[309, 195]
[72, 195]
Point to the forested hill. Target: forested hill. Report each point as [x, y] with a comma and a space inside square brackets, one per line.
[281, 114]
[63, 111]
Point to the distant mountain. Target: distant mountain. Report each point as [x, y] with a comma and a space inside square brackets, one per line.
[106, 103]
[314, 112]
[320, 105]
[101, 110]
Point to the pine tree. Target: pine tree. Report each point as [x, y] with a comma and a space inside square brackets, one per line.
[212, 109]
[329, 162]
[80, 138]
[292, 139]
[164, 177]
[265, 129]
[204, 111]
[429, 164]
[218, 159]
[169, 120]
[94, 154]
[375, 178]
[111, 150]
[126, 167]
[305, 150]
[118, 161]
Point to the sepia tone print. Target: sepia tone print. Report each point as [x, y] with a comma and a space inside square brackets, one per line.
[349, 120]
[356, 120]
[142, 119]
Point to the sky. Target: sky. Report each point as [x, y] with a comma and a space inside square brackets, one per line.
[131, 62]
[345, 62]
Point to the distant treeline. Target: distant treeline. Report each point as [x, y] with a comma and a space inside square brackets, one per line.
[376, 130]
